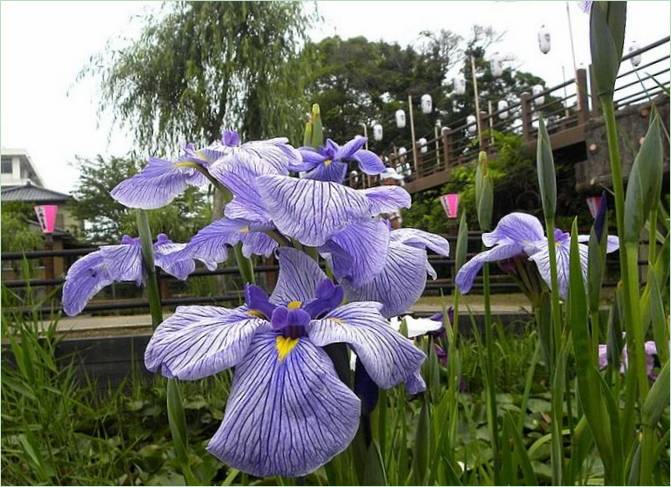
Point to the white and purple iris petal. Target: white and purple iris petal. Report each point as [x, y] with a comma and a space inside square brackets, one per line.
[403, 276]
[516, 234]
[119, 263]
[329, 163]
[288, 413]
[650, 350]
[313, 211]
[563, 251]
[276, 153]
[159, 182]
[210, 244]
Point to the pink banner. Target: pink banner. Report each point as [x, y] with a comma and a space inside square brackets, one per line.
[450, 204]
[46, 215]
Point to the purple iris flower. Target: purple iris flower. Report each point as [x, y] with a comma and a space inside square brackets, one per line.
[287, 413]
[650, 353]
[340, 221]
[329, 163]
[117, 263]
[402, 279]
[520, 234]
[161, 180]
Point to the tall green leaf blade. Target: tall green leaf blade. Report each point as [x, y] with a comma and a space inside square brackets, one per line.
[658, 398]
[420, 459]
[484, 192]
[462, 243]
[374, 473]
[587, 375]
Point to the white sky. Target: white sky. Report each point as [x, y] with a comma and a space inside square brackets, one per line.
[45, 44]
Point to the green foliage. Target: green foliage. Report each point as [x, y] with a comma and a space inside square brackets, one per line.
[107, 220]
[17, 235]
[198, 66]
[357, 81]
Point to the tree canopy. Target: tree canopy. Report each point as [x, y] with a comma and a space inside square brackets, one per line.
[199, 66]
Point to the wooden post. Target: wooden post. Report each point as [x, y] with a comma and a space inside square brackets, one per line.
[593, 94]
[582, 95]
[446, 135]
[435, 134]
[412, 134]
[477, 100]
[526, 116]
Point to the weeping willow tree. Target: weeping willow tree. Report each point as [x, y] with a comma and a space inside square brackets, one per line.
[197, 67]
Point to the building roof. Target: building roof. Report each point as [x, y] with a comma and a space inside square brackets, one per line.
[32, 194]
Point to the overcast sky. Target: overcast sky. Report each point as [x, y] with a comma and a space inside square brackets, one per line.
[45, 44]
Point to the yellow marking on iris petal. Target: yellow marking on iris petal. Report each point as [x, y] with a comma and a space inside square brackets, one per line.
[284, 345]
[245, 229]
[328, 162]
[186, 164]
[294, 305]
[256, 314]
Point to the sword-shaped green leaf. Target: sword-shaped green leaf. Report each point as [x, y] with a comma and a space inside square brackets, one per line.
[545, 167]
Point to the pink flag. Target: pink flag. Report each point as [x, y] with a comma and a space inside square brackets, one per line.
[450, 204]
[46, 215]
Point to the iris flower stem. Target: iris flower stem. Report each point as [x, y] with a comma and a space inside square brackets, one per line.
[153, 295]
[279, 238]
[555, 411]
[618, 188]
[491, 386]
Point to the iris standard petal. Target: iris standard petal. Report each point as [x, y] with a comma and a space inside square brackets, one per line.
[359, 251]
[466, 275]
[369, 162]
[298, 279]
[287, 412]
[199, 341]
[155, 186]
[387, 199]
[517, 227]
[400, 283]
[311, 159]
[309, 210]
[85, 278]
[345, 152]
[389, 357]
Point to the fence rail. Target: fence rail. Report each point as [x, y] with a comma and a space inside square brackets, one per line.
[268, 272]
[566, 108]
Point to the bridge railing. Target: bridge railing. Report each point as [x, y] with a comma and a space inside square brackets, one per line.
[565, 107]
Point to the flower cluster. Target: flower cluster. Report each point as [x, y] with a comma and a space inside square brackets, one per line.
[521, 235]
[288, 412]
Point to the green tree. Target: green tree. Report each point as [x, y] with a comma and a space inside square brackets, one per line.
[17, 235]
[199, 66]
[106, 220]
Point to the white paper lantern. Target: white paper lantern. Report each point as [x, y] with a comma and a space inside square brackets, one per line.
[635, 60]
[496, 65]
[537, 90]
[427, 103]
[377, 132]
[422, 145]
[544, 39]
[502, 108]
[400, 118]
[459, 84]
[472, 125]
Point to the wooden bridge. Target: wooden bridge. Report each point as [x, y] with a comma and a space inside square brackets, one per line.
[570, 110]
